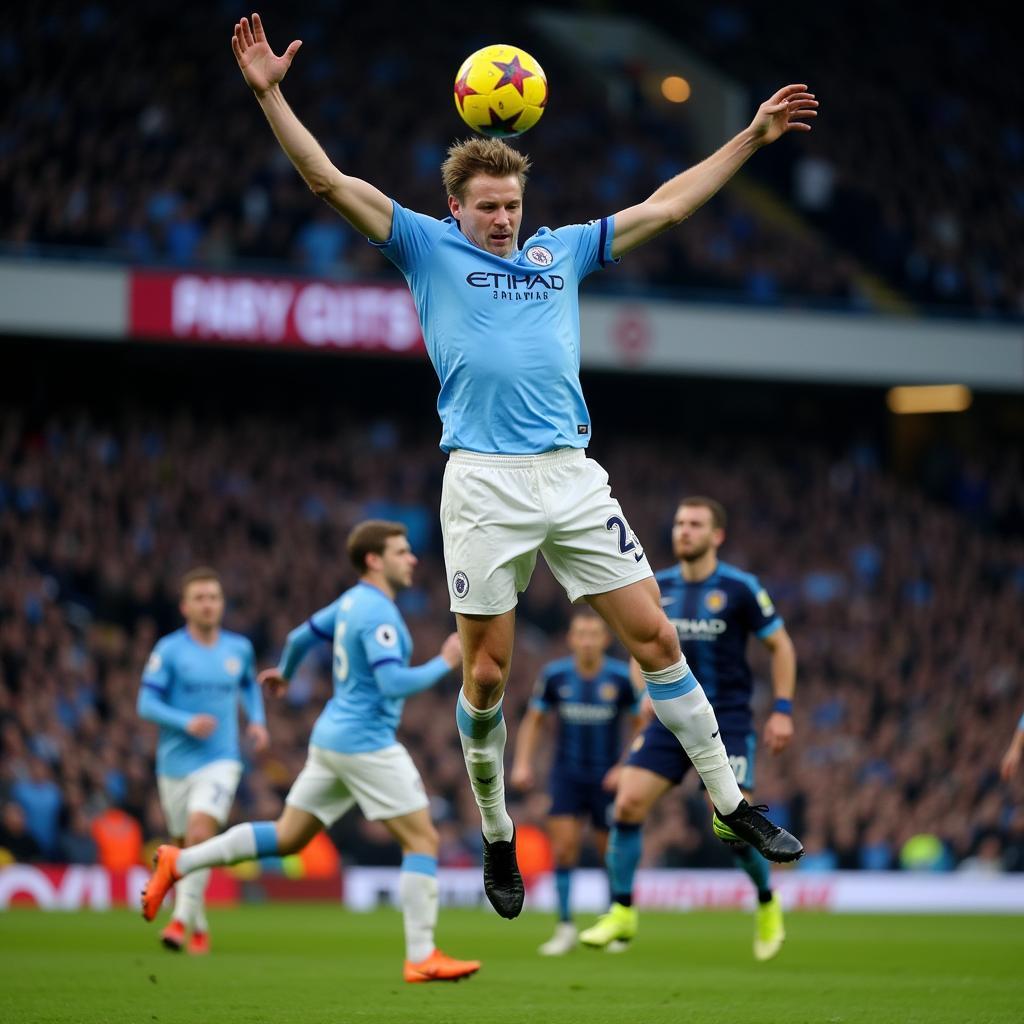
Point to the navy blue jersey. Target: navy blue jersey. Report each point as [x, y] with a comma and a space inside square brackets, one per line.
[590, 713]
[714, 618]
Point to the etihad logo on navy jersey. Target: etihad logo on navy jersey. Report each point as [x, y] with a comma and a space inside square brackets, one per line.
[587, 714]
[516, 287]
[699, 629]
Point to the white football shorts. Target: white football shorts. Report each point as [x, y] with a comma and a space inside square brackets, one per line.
[208, 790]
[384, 783]
[498, 511]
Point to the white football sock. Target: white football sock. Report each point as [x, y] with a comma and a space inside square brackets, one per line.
[417, 893]
[483, 736]
[681, 705]
[243, 842]
[189, 896]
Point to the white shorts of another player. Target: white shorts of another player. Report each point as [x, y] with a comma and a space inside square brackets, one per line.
[498, 511]
[384, 783]
[208, 790]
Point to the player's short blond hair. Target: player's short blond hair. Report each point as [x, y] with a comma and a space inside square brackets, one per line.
[471, 157]
[200, 574]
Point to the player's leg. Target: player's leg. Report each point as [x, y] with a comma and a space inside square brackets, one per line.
[487, 654]
[189, 895]
[565, 831]
[638, 791]
[173, 794]
[635, 615]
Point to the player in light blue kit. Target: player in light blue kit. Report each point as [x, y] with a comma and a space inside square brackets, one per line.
[501, 324]
[191, 687]
[354, 756]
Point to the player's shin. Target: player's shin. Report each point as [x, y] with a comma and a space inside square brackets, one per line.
[189, 898]
[758, 870]
[681, 705]
[624, 849]
[483, 735]
[243, 842]
[563, 889]
[417, 891]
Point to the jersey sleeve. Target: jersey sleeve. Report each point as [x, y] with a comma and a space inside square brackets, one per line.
[381, 641]
[631, 699]
[590, 244]
[322, 622]
[250, 694]
[413, 236]
[764, 619]
[544, 695]
[159, 671]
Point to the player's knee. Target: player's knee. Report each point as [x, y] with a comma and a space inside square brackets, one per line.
[630, 808]
[486, 672]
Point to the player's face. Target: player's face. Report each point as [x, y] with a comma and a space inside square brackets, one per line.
[588, 638]
[202, 604]
[491, 213]
[398, 562]
[694, 534]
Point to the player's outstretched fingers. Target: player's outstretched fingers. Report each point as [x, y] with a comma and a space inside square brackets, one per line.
[247, 33]
[257, 28]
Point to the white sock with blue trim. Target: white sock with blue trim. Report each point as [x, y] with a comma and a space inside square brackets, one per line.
[417, 892]
[483, 736]
[681, 705]
[243, 842]
[189, 899]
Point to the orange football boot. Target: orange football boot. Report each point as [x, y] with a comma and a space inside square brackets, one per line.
[165, 874]
[199, 944]
[440, 967]
[173, 936]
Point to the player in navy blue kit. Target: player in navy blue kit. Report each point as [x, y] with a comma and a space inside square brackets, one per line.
[501, 327]
[590, 696]
[716, 608]
[192, 686]
[354, 757]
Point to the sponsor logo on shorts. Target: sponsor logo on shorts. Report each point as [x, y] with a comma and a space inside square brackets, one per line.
[637, 743]
[386, 635]
[460, 584]
[540, 256]
[715, 601]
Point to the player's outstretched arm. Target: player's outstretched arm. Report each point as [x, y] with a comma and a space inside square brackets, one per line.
[365, 207]
[1012, 758]
[786, 111]
[778, 730]
[527, 740]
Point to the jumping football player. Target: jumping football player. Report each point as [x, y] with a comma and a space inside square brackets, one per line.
[501, 325]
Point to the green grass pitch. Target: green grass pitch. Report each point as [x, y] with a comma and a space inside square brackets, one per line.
[308, 964]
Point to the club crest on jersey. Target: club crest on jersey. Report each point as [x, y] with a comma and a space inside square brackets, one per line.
[460, 584]
[539, 256]
[386, 636]
[232, 665]
[715, 601]
[608, 692]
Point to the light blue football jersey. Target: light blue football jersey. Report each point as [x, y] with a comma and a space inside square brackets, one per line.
[369, 632]
[503, 334]
[196, 679]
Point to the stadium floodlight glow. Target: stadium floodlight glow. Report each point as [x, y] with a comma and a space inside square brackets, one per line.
[675, 89]
[929, 398]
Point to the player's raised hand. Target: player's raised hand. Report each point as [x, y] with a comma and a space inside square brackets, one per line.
[451, 650]
[778, 731]
[522, 777]
[272, 681]
[259, 65]
[787, 111]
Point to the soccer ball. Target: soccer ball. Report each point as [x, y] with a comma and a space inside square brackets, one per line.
[500, 91]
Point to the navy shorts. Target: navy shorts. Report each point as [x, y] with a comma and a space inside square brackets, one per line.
[657, 750]
[581, 798]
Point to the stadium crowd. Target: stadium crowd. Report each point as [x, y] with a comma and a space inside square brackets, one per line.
[160, 155]
[903, 602]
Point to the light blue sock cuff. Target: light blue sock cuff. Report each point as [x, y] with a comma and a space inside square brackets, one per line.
[420, 864]
[265, 834]
[473, 722]
[666, 691]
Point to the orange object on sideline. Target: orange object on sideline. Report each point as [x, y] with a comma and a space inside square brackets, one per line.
[119, 839]
[533, 851]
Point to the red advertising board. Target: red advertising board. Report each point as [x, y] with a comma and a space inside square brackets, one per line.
[275, 312]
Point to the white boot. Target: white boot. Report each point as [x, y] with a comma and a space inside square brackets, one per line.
[562, 942]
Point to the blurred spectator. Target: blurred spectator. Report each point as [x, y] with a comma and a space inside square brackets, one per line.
[16, 842]
[40, 799]
[118, 839]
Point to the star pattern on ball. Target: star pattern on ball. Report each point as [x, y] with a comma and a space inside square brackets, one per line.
[512, 73]
[502, 125]
[463, 89]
